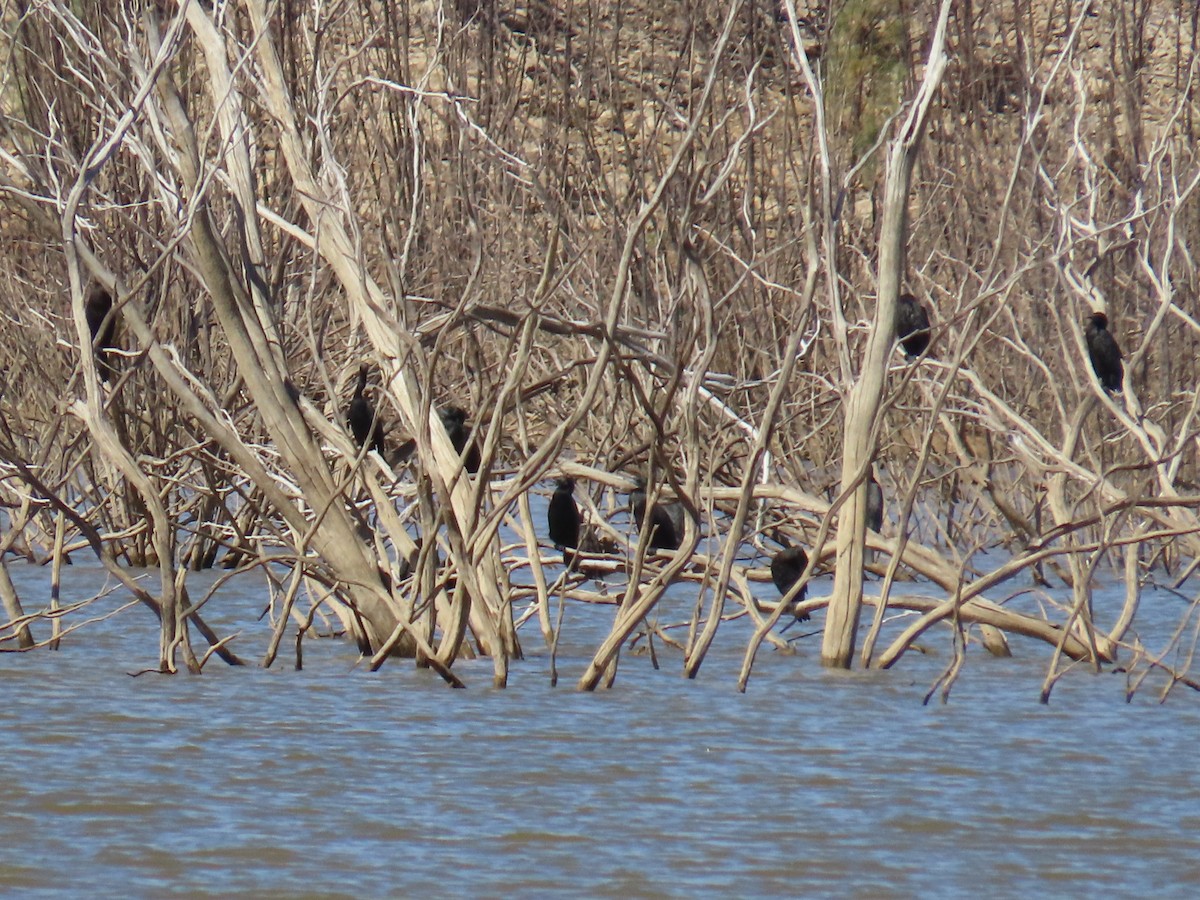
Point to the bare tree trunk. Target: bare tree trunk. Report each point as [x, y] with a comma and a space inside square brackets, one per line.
[12, 606]
[862, 408]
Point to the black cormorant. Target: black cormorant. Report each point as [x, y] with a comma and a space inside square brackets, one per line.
[666, 519]
[874, 512]
[786, 568]
[563, 515]
[874, 503]
[1106, 355]
[364, 424]
[101, 326]
[454, 420]
[912, 326]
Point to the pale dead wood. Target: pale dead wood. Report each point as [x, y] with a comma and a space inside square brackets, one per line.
[867, 391]
[620, 279]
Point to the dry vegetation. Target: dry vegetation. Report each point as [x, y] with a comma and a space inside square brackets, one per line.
[629, 237]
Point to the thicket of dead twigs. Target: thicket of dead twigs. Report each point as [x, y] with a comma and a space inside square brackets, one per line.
[627, 238]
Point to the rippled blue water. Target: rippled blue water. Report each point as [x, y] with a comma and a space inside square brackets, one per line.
[336, 782]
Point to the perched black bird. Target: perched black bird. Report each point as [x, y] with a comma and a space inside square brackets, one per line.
[874, 511]
[292, 391]
[874, 503]
[360, 416]
[563, 515]
[1104, 352]
[101, 326]
[786, 568]
[666, 519]
[912, 326]
[454, 420]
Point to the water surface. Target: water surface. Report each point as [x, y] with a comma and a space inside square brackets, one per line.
[333, 782]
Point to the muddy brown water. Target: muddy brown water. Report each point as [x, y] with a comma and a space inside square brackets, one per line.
[332, 782]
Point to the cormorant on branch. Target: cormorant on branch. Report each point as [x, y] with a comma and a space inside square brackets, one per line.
[101, 325]
[1104, 352]
[360, 416]
[912, 326]
[666, 519]
[786, 568]
[874, 503]
[562, 515]
[454, 420]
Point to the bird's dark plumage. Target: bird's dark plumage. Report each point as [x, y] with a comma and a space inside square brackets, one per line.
[786, 568]
[360, 416]
[912, 326]
[874, 503]
[101, 327]
[666, 519]
[454, 420]
[562, 515]
[1104, 352]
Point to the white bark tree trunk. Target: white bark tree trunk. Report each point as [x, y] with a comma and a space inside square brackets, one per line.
[858, 449]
